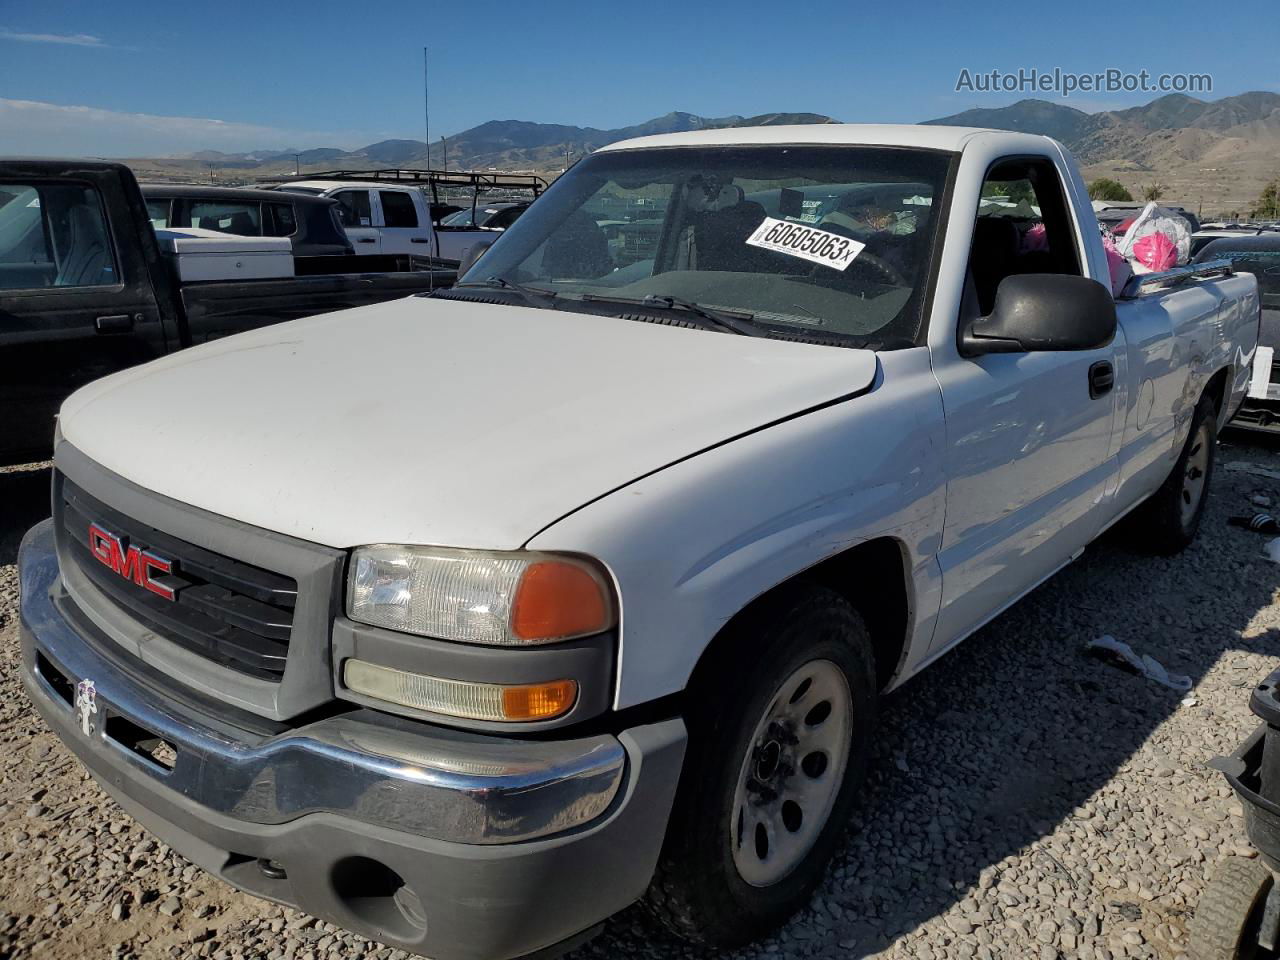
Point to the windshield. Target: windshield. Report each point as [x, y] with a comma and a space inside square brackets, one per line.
[811, 240]
[467, 217]
[483, 216]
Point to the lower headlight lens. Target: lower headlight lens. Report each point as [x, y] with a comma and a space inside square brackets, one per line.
[501, 703]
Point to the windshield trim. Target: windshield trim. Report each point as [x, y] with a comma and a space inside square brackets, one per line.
[934, 260]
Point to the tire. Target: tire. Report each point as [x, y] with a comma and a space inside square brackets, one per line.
[1225, 926]
[1168, 522]
[755, 716]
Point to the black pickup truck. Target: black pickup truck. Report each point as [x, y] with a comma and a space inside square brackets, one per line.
[86, 291]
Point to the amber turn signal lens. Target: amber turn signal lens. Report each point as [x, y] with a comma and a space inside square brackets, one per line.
[461, 698]
[538, 701]
[559, 599]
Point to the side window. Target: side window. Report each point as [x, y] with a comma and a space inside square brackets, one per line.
[1264, 264]
[281, 222]
[53, 235]
[354, 208]
[158, 213]
[1023, 226]
[505, 218]
[397, 209]
[241, 218]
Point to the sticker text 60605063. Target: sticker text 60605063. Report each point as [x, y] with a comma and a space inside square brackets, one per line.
[805, 242]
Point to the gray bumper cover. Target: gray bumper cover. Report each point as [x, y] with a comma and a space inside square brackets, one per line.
[450, 844]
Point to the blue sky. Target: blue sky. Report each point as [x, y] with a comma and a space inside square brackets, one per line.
[152, 75]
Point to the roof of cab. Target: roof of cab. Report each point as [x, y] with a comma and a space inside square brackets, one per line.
[202, 192]
[357, 184]
[930, 137]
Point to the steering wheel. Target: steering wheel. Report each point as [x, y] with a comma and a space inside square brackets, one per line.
[880, 266]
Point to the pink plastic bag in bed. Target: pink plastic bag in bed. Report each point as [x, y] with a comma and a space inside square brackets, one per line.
[1149, 255]
[1156, 252]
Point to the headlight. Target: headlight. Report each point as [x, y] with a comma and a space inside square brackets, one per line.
[498, 598]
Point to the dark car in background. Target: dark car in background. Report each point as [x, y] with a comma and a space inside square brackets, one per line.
[488, 216]
[312, 223]
[1259, 255]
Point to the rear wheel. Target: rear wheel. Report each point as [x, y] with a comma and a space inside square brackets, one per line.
[1170, 520]
[780, 728]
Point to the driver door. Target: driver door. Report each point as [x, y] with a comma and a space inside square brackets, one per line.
[1029, 450]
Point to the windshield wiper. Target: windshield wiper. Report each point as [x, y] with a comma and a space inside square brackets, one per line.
[732, 322]
[533, 295]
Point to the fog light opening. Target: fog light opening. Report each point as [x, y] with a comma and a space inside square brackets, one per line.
[379, 898]
[57, 680]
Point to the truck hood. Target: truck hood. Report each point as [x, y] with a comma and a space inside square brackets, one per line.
[439, 422]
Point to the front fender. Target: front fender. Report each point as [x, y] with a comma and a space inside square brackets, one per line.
[691, 545]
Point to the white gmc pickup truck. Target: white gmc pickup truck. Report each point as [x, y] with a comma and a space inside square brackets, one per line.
[467, 621]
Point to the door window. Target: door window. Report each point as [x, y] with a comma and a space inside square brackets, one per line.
[158, 213]
[354, 208]
[53, 235]
[1023, 226]
[243, 219]
[398, 209]
[281, 222]
[504, 218]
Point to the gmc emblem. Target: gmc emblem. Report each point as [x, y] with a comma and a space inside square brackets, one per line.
[132, 563]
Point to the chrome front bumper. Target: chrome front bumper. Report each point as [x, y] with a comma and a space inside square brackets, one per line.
[442, 784]
[501, 843]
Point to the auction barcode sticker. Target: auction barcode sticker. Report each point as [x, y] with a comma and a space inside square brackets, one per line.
[805, 242]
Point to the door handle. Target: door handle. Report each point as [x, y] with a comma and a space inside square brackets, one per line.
[419, 240]
[366, 240]
[1102, 377]
[118, 323]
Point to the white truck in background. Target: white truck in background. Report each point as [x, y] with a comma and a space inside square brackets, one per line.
[392, 211]
[467, 621]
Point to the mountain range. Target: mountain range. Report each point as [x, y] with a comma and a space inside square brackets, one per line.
[1218, 153]
[506, 144]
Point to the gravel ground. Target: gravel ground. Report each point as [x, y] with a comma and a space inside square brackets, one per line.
[1026, 800]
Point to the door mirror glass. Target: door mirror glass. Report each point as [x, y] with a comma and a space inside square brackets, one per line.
[1043, 311]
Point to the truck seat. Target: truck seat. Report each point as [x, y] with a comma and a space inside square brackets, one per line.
[994, 256]
[87, 260]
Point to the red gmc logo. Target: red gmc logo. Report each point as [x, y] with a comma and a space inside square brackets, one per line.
[132, 563]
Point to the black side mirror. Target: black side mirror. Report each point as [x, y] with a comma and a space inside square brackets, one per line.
[1043, 311]
[474, 253]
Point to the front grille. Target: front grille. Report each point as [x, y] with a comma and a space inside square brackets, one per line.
[233, 613]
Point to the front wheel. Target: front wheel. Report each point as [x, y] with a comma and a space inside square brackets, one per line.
[780, 729]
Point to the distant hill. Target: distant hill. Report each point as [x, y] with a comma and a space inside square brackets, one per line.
[1217, 152]
[1026, 116]
[1221, 152]
[496, 144]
